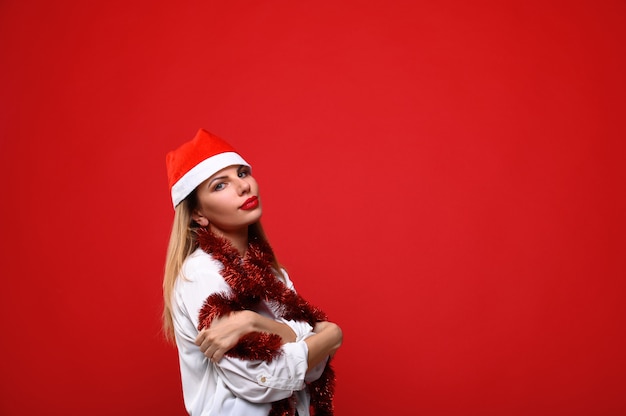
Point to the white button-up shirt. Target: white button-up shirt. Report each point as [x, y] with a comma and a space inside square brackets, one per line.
[233, 386]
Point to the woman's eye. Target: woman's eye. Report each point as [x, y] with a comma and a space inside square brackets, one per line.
[219, 186]
[243, 173]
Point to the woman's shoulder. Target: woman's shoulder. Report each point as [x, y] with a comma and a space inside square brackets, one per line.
[200, 259]
[199, 278]
[200, 268]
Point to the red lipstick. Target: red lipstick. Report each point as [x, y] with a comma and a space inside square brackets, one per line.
[251, 203]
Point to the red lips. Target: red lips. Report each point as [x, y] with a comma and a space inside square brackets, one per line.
[251, 203]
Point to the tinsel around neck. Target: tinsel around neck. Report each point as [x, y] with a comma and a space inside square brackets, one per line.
[252, 277]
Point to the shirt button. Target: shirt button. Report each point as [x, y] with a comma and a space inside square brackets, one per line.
[263, 379]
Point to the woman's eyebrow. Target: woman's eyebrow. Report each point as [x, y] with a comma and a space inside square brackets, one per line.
[216, 179]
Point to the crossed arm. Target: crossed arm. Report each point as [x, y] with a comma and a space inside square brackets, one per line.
[224, 333]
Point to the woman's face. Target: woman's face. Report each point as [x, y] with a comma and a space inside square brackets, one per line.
[228, 200]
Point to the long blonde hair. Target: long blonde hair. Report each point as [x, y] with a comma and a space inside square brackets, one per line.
[182, 243]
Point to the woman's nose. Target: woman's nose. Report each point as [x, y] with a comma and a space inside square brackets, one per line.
[244, 186]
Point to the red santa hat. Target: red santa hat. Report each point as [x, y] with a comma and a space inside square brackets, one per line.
[195, 161]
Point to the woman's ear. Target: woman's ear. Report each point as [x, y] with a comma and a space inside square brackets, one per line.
[200, 219]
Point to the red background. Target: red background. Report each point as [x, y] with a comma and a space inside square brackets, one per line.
[444, 178]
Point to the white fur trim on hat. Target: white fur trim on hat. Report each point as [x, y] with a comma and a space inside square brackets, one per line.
[202, 171]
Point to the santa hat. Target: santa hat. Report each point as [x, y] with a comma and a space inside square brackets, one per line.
[195, 161]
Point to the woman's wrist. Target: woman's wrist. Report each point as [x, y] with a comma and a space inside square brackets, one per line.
[259, 323]
[252, 322]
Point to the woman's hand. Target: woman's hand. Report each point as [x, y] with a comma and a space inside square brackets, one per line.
[224, 333]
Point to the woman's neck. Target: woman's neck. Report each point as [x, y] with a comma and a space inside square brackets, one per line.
[238, 238]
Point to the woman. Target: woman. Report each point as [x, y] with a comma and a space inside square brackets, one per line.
[247, 343]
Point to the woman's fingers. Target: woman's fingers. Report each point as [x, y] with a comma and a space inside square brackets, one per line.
[200, 337]
[223, 334]
[217, 355]
[213, 348]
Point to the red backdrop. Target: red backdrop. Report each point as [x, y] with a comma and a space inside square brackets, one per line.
[444, 178]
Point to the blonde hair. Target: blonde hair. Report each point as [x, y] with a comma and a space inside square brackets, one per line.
[182, 243]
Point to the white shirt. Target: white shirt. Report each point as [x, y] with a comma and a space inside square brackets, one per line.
[233, 386]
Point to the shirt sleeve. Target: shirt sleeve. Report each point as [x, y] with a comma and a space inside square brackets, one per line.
[315, 372]
[262, 382]
[300, 328]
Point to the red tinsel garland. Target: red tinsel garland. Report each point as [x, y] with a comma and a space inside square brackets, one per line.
[252, 281]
